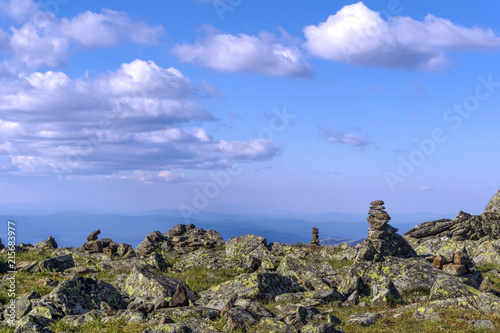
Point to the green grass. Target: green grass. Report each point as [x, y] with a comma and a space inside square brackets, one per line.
[97, 325]
[199, 279]
[7, 329]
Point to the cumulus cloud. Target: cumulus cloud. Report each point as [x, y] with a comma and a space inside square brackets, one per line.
[346, 139]
[139, 117]
[257, 149]
[261, 54]
[359, 36]
[46, 40]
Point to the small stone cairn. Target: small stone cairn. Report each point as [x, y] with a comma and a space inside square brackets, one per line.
[315, 236]
[93, 245]
[379, 221]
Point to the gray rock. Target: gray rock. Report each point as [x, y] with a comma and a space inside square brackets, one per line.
[147, 283]
[482, 324]
[93, 236]
[363, 319]
[79, 295]
[494, 205]
[426, 313]
[48, 244]
[243, 245]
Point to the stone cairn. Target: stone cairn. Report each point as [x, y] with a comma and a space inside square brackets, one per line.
[93, 245]
[315, 237]
[379, 219]
[458, 264]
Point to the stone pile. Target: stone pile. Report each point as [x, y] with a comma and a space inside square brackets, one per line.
[459, 264]
[93, 245]
[383, 239]
[315, 236]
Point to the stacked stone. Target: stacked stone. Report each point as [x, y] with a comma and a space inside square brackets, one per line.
[379, 221]
[315, 236]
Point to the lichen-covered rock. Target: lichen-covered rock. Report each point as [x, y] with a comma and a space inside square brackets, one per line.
[487, 303]
[463, 227]
[147, 283]
[187, 238]
[483, 324]
[185, 313]
[24, 303]
[212, 259]
[261, 286]
[363, 319]
[150, 243]
[307, 269]
[56, 264]
[426, 313]
[79, 295]
[389, 245]
[243, 245]
[48, 244]
[451, 288]
[493, 205]
[386, 293]
[189, 326]
[274, 325]
[125, 250]
[319, 328]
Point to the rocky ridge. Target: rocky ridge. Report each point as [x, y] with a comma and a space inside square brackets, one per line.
[191, 280]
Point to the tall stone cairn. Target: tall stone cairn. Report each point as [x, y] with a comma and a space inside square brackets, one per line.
[383, 239]
[379, 221]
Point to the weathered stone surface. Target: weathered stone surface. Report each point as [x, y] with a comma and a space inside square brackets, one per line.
[306, 269]
[451, 288]
[463, 227]
[93, 236]
[486, 285]
[177, 230]
[386, 293]
[439, 261]
[146, 283]
[125, 250]
[493, 205]
[483, 324]
[56, 264]
[426, 313]
[274, 325]
[243, 245]
[210, 259]
[252, 286]
[363, 319]
[179, 298]
[150, 243]
[454, 269]
[48, 244]
[79, 295]
[189, 326]
[189, 237]
[24, 303]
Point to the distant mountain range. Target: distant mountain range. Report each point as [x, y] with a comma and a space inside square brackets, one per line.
[72, 228]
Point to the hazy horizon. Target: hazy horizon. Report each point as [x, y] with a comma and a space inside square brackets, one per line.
[249, 107]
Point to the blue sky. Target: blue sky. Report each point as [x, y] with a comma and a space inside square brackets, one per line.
[199, 105]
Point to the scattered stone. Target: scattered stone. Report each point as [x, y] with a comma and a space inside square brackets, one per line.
[426, 313]
[315, 236]
[386, 294]
[363, 319]
[179, 298]
[482, 324]
[454, 269]
[439, 261]
[91, 293]
[230, 303]
[486, 285]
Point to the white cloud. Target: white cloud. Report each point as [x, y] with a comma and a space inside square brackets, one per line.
[108, 28]
[357, 35]
[244, 53]
[139, 117]
[45, 40]
[343, 138]
[250, 150]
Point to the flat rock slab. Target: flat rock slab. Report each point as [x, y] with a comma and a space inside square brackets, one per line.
[363, 319]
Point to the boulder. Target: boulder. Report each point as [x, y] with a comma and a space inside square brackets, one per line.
[48, 244]
[259, 286]
[79, 295]
[363, 319]
[179, 298]
[147, 283]
[56, 264]
[493, 205]
[450, 288]
[243, 245]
